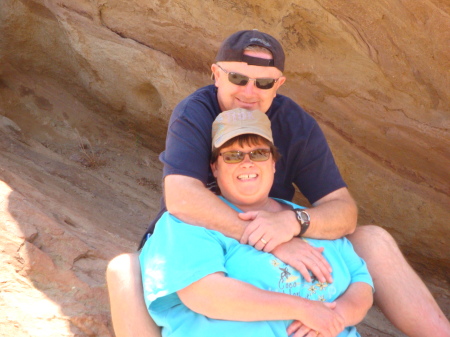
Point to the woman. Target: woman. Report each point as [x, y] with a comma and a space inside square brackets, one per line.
[197, 282]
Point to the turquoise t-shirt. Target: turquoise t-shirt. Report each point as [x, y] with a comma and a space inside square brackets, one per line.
[178, 254]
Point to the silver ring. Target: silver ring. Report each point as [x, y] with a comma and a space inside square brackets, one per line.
[263, 241]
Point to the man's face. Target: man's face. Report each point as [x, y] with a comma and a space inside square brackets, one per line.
[231, 96]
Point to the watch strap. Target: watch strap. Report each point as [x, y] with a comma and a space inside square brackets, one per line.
[303, 219]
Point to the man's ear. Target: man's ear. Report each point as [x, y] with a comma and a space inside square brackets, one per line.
[215, 73]
[278, 84]
[281, 81]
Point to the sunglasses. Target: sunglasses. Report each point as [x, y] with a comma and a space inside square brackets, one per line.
[234, 157]
[242, 80]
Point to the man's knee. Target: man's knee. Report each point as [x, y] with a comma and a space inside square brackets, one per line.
[117, 264]
[120, 266]
[370, 239]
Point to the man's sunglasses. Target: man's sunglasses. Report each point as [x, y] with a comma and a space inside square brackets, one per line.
[242, 80]
[234, 157]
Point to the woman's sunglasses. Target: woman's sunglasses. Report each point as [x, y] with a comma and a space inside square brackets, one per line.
[234, 157]
[242, 80]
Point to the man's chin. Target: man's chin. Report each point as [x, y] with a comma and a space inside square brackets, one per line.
[248, 106]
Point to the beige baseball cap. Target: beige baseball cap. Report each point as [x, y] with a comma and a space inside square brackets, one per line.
[239, 121]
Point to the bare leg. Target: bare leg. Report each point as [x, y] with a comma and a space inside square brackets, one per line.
[128, 311]
[399, 292]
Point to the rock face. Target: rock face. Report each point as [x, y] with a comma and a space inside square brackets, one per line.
[87, 88]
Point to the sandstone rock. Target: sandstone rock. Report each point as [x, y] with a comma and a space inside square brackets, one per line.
[86, 90]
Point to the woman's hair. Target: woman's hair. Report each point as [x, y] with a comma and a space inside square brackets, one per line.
[246, 139]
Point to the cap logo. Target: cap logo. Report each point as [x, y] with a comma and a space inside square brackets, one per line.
[239, 121]
[228, 117]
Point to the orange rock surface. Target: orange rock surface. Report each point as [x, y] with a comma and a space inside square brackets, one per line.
[87, 88]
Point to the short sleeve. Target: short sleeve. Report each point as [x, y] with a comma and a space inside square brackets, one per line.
[306, 159]
[175, 256]
[355, 264]
[318, 174]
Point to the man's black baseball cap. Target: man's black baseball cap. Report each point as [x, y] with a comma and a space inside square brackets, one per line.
[233, 47]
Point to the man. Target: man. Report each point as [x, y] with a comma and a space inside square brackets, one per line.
[247, 74]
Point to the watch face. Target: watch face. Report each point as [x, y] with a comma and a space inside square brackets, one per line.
[304, 216]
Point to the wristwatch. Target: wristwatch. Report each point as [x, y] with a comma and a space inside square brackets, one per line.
[303, 219]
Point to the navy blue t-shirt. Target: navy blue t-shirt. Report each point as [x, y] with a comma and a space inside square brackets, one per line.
[306, 159]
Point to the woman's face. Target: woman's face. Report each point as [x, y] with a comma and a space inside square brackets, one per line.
[247, 183]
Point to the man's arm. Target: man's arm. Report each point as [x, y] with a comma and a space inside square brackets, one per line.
[332, 217]
[188, 200]
[220, 297]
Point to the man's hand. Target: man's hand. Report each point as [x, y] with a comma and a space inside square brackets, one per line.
[268, 230]
[304, 258]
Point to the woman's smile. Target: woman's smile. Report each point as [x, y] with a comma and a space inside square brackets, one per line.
[246, 177]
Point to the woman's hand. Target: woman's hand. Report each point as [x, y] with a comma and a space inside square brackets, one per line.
[323, 321]
[303, 257]
[298, 329]
[273, 232]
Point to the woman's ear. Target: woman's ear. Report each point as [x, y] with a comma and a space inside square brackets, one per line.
[214, 169]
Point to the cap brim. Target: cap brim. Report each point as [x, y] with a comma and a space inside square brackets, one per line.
[241, 131]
